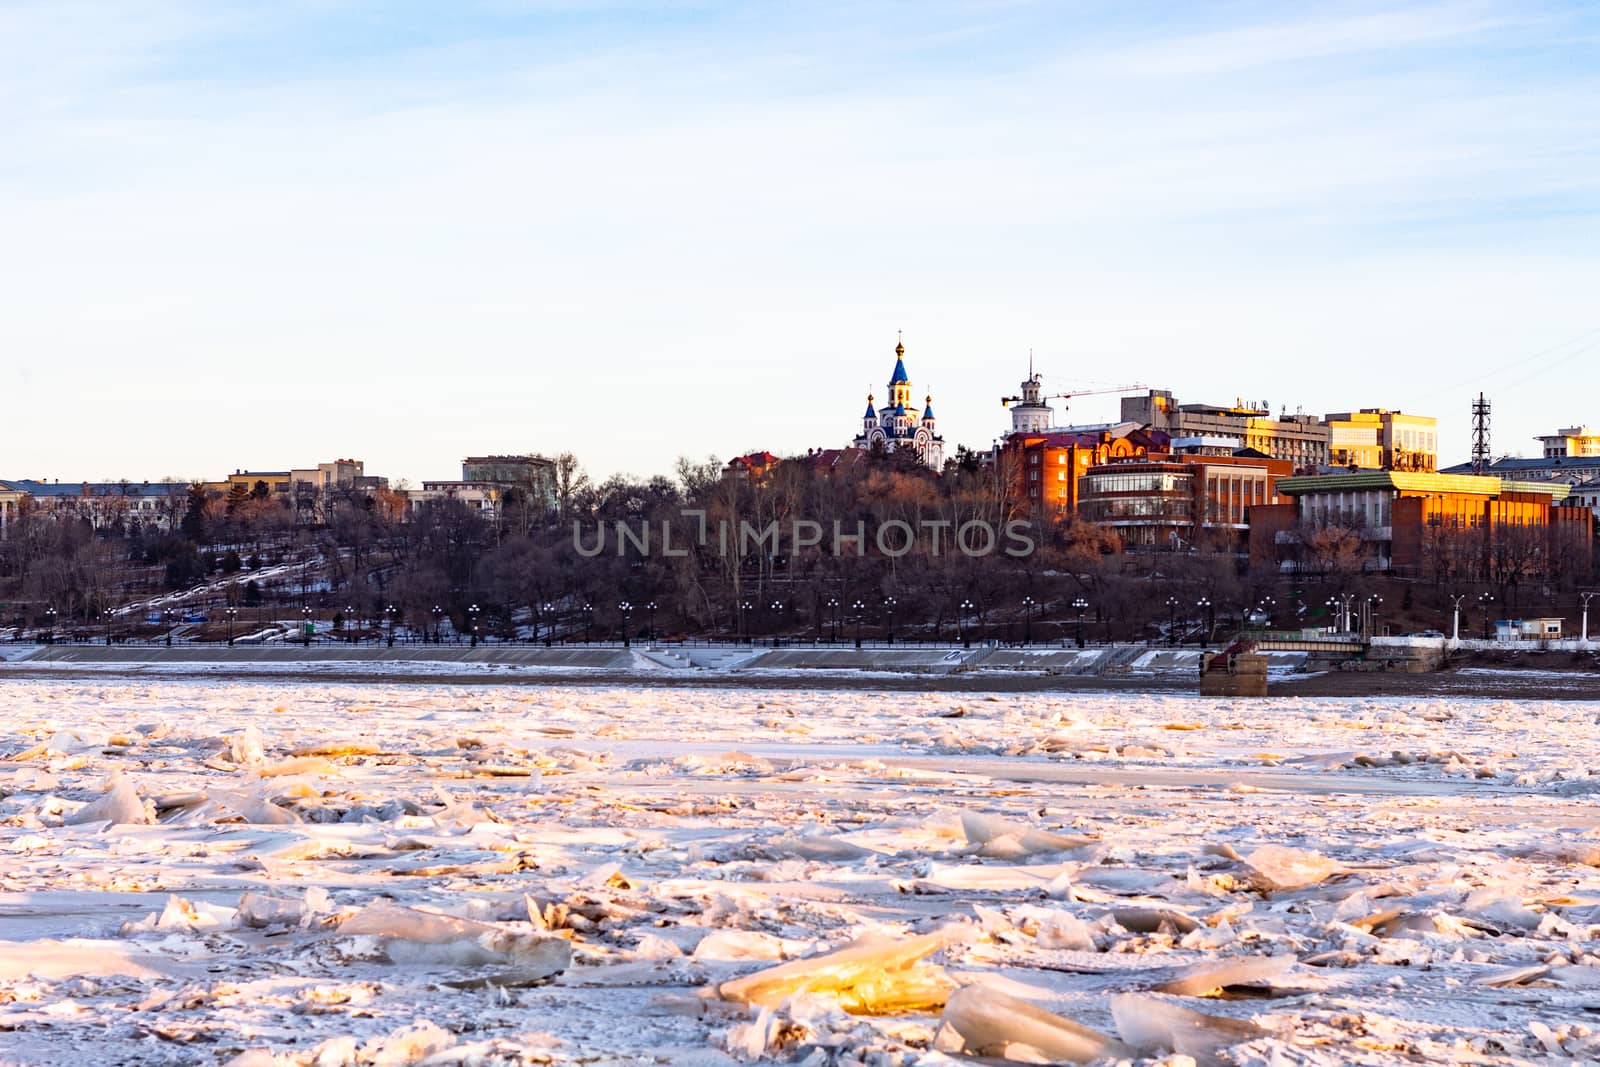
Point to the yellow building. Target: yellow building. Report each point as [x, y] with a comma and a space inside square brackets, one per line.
[1572, 441]
[1380, 439]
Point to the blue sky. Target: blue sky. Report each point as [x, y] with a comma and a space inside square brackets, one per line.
[263, 235]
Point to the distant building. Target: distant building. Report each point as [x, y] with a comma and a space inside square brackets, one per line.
[483, 497]
[1171, 501]
[1527, 629]
[1032, 413]
[1302, 440]
[1380, 439]
[751, 468]
[536, 474]
[1045, 467]
[898, 426]
[1586, 495]
[1569, 470]
[1572, 442]
[489, 483]
[1412, 523]
[161, 505]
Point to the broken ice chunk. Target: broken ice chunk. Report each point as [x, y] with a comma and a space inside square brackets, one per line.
[1210, 979]
[1152, 1025]
[816, 847]
[119, 804]
[991, 1023]
[1280, 867]
[424, 937]
[1063, 930]
[999, 838]
[738, 945]
[260, 910]
[873, 975]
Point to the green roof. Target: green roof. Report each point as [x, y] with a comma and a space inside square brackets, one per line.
[1405, 481]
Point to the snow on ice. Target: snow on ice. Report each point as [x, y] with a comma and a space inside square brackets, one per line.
[274, 873]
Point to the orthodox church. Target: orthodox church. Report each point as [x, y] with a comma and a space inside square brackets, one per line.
[897, 425]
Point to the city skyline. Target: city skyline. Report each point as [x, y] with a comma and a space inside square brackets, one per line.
[242, 235]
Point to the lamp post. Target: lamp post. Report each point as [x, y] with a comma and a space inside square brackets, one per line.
[1455, 608]
[860, 608]
[547, 614]
[1484, 600]
[472, 616]
[1204, 606]
[1586, 598]
[438, 629]
[389, 612]
[650, 609]
[1266, 605]
[1080, 605]
[50, 613]
[305, 624]
[888, 613]
[349, 621]
[105, 614]
[1027, 619]
[833, 619]
[626, 607]
[1172, 620]
[231, 613]
[588, 620]
[777, 614]
[1372, 614]
[961, 618]
[745, 607]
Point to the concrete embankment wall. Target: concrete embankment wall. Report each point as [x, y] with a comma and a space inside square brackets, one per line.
[602, 658]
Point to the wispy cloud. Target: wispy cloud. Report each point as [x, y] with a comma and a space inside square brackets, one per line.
[630, 203]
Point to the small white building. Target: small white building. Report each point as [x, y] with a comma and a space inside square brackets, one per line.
[1527, 630]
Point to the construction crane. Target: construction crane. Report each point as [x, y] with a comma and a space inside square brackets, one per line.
[1007, 401]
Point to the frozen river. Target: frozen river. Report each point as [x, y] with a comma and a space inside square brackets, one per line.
[316, 873]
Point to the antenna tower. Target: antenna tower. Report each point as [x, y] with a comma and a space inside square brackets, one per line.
[1480, 436]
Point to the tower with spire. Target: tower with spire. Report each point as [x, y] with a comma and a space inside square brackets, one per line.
[897, 425]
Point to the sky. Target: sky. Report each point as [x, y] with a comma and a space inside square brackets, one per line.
[264, 235]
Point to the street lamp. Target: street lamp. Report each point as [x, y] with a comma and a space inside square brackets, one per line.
[1027, 620]
[231, 613]
[472, 614]
[389, 612]
[305, 613]
[833, 619]
[1205, 609]
[1172, 620]
[967, 607]
[626, 607]
[745, 607]
[1080, 605]
[1484, 600]
[51, 613]
[860, 609]
[349, 621]
[1586, 598]
[438, 630]
[588, 621]
[1372, 614]
[1266, 605]
[888, 613]
[105, 614]
[651, 609]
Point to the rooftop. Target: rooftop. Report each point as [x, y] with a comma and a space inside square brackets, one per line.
[1403, 481]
